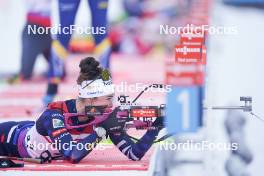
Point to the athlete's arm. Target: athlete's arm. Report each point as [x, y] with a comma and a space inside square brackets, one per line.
[52, 123]
[134, 151]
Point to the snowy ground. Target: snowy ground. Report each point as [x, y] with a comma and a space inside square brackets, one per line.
[236, 69]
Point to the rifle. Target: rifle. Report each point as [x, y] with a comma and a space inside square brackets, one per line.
[142, 117]
[133, 114]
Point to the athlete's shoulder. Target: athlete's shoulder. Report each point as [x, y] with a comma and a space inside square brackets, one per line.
[52, 113]
[63, 106]
[47, 117]
[48, 120]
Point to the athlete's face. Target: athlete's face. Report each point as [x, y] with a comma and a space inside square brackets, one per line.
[101, 101]
[98, 101]
[106, 101]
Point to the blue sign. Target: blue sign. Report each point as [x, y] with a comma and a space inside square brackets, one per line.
[184, 109]
[244, 2]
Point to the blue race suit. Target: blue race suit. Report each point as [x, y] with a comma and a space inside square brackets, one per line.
[50, 128]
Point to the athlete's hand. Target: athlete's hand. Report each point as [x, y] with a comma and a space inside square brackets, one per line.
[100, 131]
[113, 124]
[158, 123]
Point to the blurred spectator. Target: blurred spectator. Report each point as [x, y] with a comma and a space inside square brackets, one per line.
[240, 158]
[33, 44]
[67, 12]
[139, 32]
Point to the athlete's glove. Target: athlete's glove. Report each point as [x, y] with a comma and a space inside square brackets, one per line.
[158, 123]
[113, 124]
[100, 131]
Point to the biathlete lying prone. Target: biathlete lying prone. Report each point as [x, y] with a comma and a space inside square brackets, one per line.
[66, 122]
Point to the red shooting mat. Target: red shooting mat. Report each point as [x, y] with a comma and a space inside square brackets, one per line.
[105, 158]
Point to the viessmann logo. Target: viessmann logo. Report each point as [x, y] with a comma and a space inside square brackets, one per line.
[144, 112]
[186, 50]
